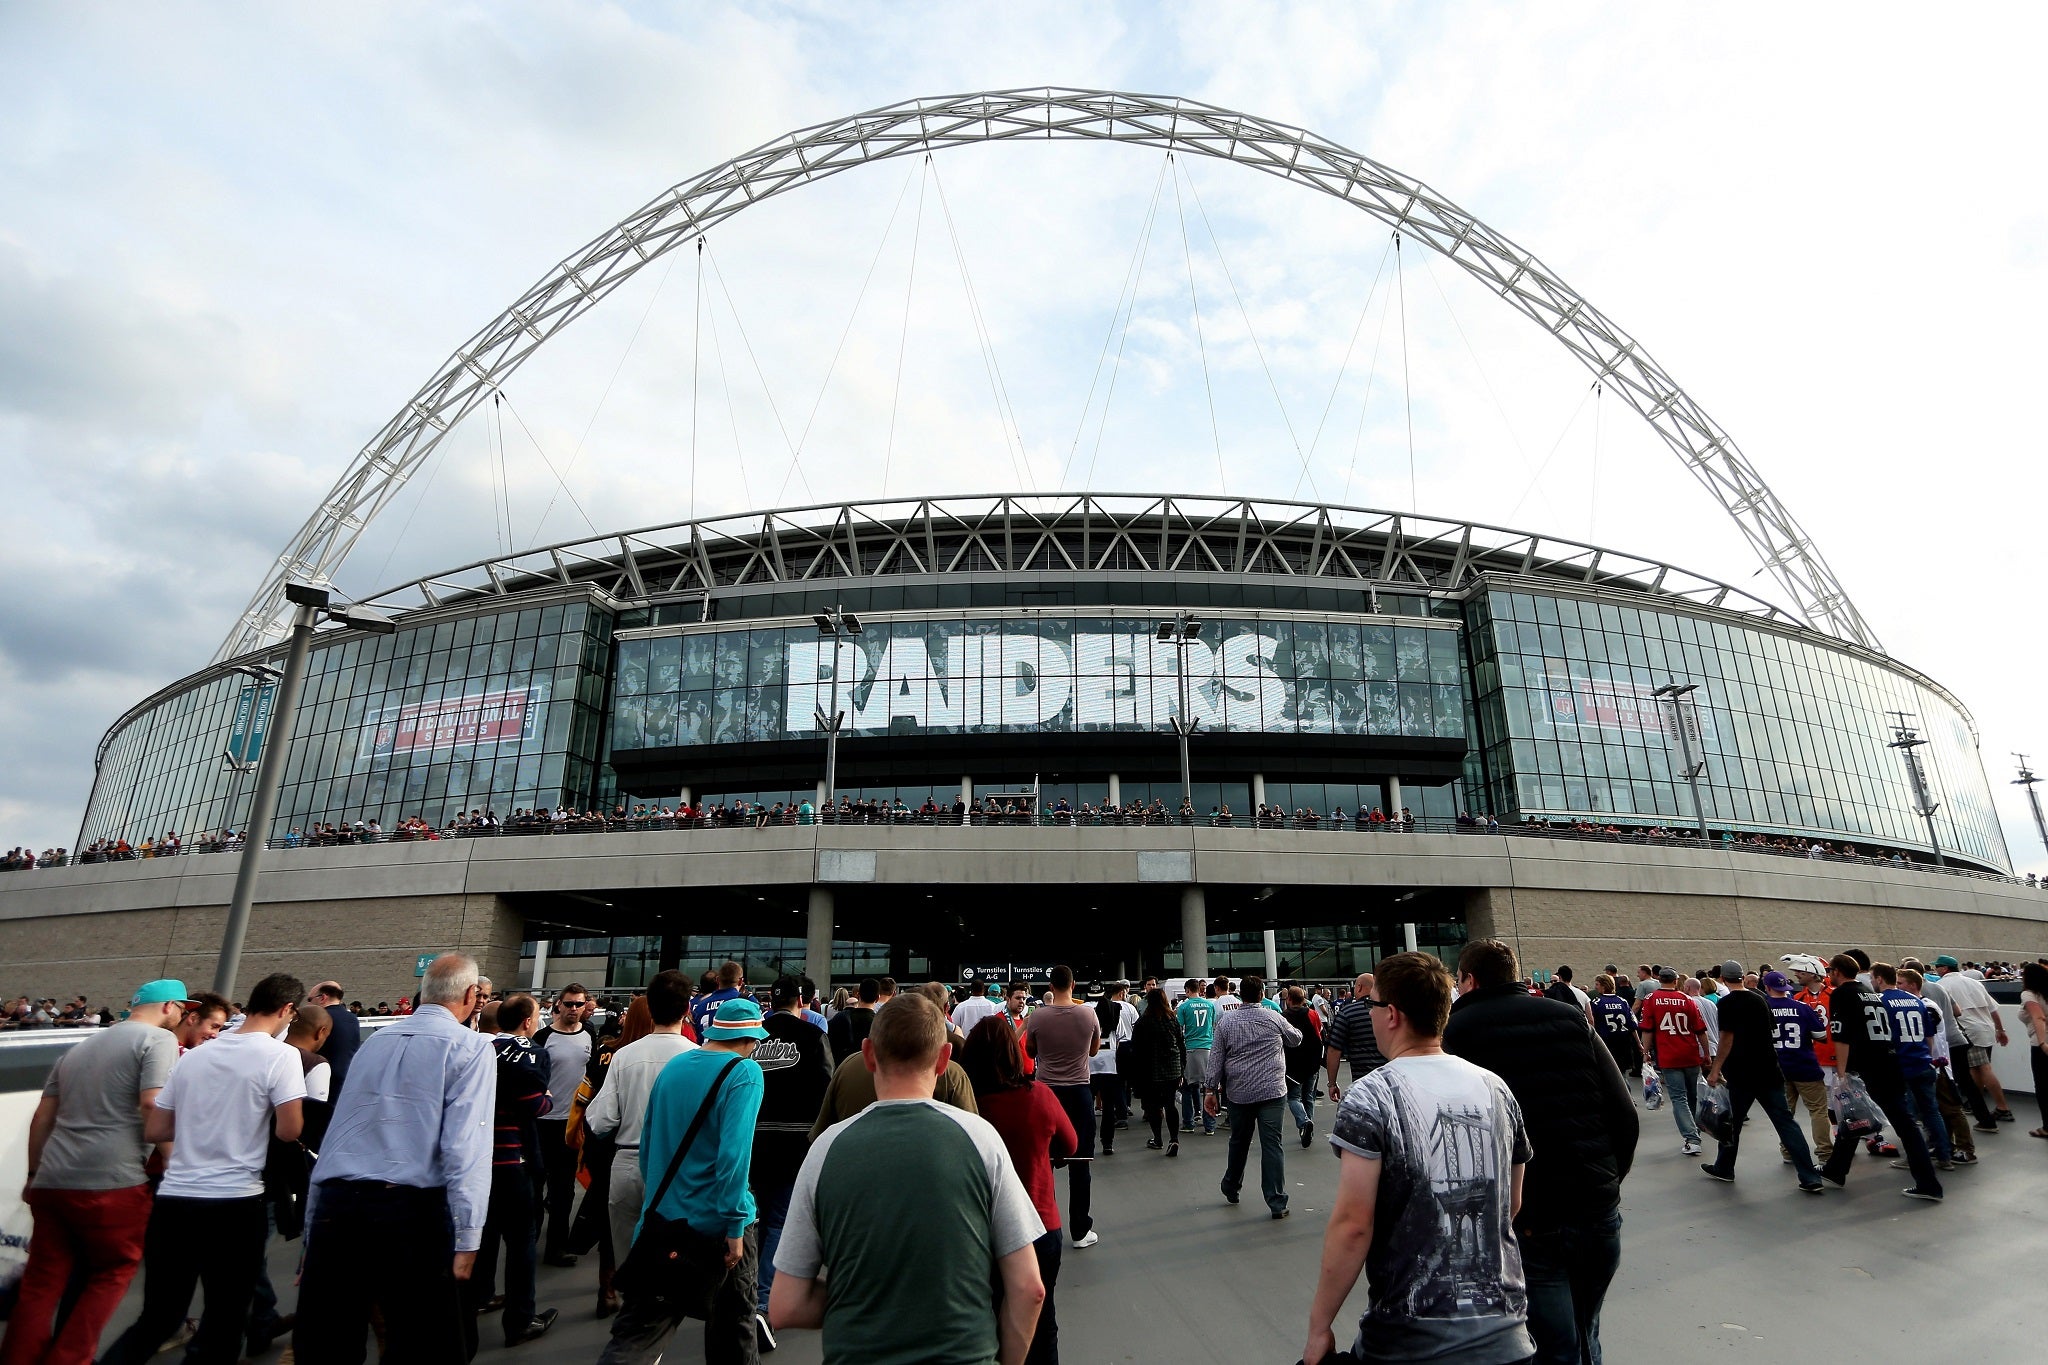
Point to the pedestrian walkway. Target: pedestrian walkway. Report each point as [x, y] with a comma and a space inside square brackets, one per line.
[1228, 1285]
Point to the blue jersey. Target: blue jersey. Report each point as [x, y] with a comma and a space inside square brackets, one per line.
[1911, 1018]
[1613, 1015]
[1794, 1026]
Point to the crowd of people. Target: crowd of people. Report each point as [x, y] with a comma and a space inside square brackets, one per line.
[745, 1157]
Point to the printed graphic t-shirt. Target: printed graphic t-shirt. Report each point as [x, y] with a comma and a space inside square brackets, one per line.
[1197, 1022]
[1910, 1025]
[1857, 1016]
[1448, 1136]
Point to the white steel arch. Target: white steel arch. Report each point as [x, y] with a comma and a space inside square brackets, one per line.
[469, 376]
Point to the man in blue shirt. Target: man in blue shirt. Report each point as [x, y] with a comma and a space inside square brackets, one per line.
[732, 983]
[1794, 1026]
[1197, 1017]
[710, 1191]
[1914, 1023]
[396, 1210]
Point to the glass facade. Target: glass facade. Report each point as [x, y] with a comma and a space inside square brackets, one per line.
[1793, 731]
[500, 710]
[1551, 690]
[963, 674]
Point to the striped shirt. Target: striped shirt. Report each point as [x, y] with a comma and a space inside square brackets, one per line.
[1351, 1034]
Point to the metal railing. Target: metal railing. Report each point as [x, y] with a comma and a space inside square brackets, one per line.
[1050, 819]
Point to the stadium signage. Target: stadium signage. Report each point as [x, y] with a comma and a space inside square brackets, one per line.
[455, 722]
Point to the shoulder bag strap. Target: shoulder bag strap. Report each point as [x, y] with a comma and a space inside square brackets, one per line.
[675, 1163]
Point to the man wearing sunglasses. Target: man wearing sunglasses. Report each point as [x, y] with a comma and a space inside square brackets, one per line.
[568, 1046]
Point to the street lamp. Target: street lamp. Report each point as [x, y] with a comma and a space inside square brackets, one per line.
[2027, 779]
[1675, 693]
[310, 605]
[1183, 630]
[836, 625]
[1907, 742]
[262, 678]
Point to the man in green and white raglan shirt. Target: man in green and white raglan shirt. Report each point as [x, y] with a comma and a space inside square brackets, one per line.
[1197, 1015]
[885, 1293]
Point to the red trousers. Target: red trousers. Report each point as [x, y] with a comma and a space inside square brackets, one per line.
[94, 1233]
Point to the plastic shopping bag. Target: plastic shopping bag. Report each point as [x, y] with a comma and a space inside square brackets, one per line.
[1653, 1094]
[1857, 1113]
[1713, 1113]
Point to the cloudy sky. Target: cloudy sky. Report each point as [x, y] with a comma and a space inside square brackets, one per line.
[234, 239]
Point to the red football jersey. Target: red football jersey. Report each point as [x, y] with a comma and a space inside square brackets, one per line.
[1679, 1025]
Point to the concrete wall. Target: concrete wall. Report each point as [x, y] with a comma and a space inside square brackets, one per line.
[363, 914]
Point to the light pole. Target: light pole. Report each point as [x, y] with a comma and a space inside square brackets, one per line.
[252, 727]
[2027, 779]
[1908, 743]
[1676, 693]
[1183, 630]
[309, 606]
[836, 625]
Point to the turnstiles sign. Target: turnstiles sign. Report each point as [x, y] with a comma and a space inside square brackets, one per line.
[1003, 973]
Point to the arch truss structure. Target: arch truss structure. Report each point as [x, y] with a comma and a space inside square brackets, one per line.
[474, 372]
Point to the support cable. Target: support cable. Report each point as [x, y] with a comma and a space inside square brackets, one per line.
[1551, 454]
[1141, 254]
[731, 412]
[437, 460]
[1593, 497]
[903, 337]
[1372, 375]
[491, 468]
[804, 436]
[1252, 332]
[504, 471]
[561, 482]
[1344, 366]
[1201, 346]
[718, 278]
[1132, 274]
[1407, 390]
[696, 366]
[1006, 412]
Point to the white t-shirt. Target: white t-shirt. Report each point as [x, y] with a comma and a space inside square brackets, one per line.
[320, 1082]
[1103, 1063]
[228, 1088]
[973, 1010]
[1975, 1011]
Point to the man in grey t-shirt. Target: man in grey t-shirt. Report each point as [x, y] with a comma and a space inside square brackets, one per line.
[87, 1186]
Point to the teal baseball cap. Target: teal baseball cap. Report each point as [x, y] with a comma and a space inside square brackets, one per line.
[167, 991]
[734, 1020]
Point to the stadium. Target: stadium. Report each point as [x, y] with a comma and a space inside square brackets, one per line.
[1399, 730]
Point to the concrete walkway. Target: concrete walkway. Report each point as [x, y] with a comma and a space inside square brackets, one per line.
[1710, 1272]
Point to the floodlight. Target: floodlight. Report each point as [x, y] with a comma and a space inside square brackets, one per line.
[305, 595]
[849, 623]
[357, 617]
[824, 624]
[1165, 631]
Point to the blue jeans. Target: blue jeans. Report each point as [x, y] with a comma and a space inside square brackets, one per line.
[1771, 1099]
[1682, 1091]
[1568, 1269]
[1265, 1118]
[1301, 1102]
[1920, 1103]
[771, 1207]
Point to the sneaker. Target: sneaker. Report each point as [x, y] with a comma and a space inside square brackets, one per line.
[1966, 1158]
[1985, 1127]
[1152, 1144]
[1690, 1148]
[2003, 1115]
[764, 1338]
[1083, 1243]
[1945, 1165]
[1815, 1188]
[1308, 1133]
[1173, 1148]
[1231, 1195]
[1931, 1196]
[1714, 1173]
[1278, 1214]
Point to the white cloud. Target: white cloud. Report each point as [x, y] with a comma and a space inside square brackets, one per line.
[233, 241]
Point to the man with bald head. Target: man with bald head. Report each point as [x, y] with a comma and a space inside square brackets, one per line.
[402, 1185]
[1350, 1038]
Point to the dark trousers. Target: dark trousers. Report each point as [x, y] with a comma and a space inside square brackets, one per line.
[1045, 1338]
[641, 1331]
[1568, 1269]
[1078, 1102]
[2038, 1059]
[1891, 1098]
[389, 1248]
[192, 1243]
[1159, 1102]
[1771, 1099]
[558, 1159]
[1264, 1119]
[513, 1219]
[1109, 1089]
[92, 1237]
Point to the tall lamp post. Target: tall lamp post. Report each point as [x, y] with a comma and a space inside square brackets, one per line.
[310, 606]
[250, 729]
[1908, 743]
[836, 625]
[2027, 779]
[1183, 630]
[1676, 693]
